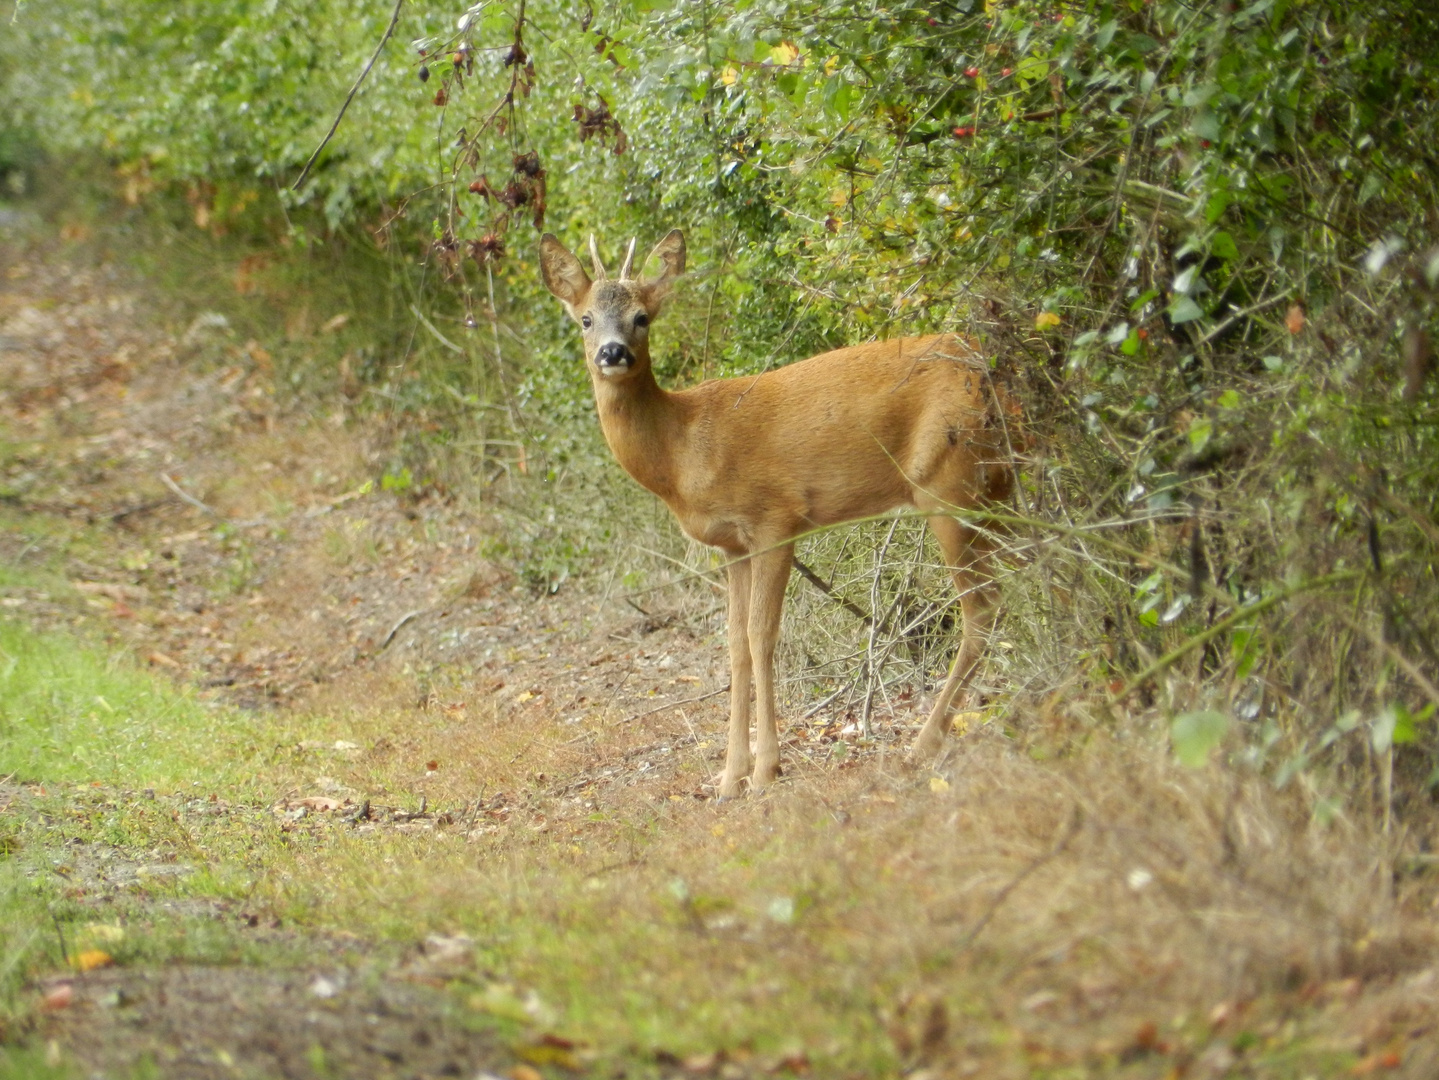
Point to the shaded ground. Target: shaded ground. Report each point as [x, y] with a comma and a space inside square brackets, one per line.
[469, 791]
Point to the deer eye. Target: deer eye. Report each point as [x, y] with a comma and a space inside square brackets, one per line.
[587, 322]
[641, 320]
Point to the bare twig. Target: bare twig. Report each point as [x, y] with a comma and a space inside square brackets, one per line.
[405, 618]
[389, 30]
[169, 482]
[671, 704]
[871, 666]
[820, 584]
[1408, 666]
[1076, 819]
[425, 322]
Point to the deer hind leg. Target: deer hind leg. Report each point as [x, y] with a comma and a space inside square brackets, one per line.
[770, 573]
[737, 757]
[967, 553]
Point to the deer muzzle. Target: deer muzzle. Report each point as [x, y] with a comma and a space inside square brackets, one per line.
[614, 358]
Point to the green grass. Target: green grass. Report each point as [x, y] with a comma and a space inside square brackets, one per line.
[88, 731]
[70, 712]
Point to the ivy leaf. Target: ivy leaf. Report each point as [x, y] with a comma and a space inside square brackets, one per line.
[1196, 734]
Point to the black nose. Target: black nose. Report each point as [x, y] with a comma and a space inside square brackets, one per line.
[613, 354]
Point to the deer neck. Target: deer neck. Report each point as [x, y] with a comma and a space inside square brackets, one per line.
[643, 427]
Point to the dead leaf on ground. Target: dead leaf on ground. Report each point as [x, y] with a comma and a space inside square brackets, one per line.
[90, 959]
[319, 803]
[1385, 1059]
[1294, 319]
[58, 997]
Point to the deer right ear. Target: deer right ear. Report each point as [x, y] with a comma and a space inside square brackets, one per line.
[563, 274]
[671, 253]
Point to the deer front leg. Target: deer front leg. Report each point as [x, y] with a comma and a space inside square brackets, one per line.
[967, 554]
[770, 573]
[737, 757]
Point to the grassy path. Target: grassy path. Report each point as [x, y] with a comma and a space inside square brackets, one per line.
[294, 782]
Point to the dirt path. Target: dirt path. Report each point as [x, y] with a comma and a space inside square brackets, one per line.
[169, 504]
[160, 498]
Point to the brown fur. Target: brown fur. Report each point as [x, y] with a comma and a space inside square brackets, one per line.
[749, 464]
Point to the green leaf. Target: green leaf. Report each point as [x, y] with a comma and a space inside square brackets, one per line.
[1200, 432]
[1229, 399]
[1205, 125]
[1217, 204]
[1196, 734]
[1184, 310]
[1222, 246]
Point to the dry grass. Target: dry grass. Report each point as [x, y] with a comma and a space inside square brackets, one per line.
[1091, 912]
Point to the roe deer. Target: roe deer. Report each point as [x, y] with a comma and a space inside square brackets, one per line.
[748, 464]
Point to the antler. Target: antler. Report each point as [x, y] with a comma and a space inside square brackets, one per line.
[629, 260]
[600, 274]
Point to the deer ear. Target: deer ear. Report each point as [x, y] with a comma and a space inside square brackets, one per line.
[563, 274]
[671, 253]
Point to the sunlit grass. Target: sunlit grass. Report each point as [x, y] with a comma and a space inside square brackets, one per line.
[70, 712]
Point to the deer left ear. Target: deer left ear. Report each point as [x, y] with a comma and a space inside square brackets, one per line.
[563, 274]
[671, 253]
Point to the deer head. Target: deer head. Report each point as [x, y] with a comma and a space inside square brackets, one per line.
[614, 313]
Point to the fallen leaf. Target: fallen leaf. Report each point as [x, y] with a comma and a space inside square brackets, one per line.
[58, 997]
[322, 803]
[938, 784]
[1294, 319]
[795, 1064]
[528, 695]
[701, 1064]
[1383, 1059]
[1045, 319]
[90, 959]
[551, 1050]
[336, 323]
[162, 660]
[525, 1072]
[1147, 1037]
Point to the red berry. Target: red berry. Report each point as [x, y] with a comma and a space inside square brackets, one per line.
[1006, 72]
[932, 22]
[971, 72]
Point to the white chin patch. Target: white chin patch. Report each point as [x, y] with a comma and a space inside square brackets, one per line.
[608, 370]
